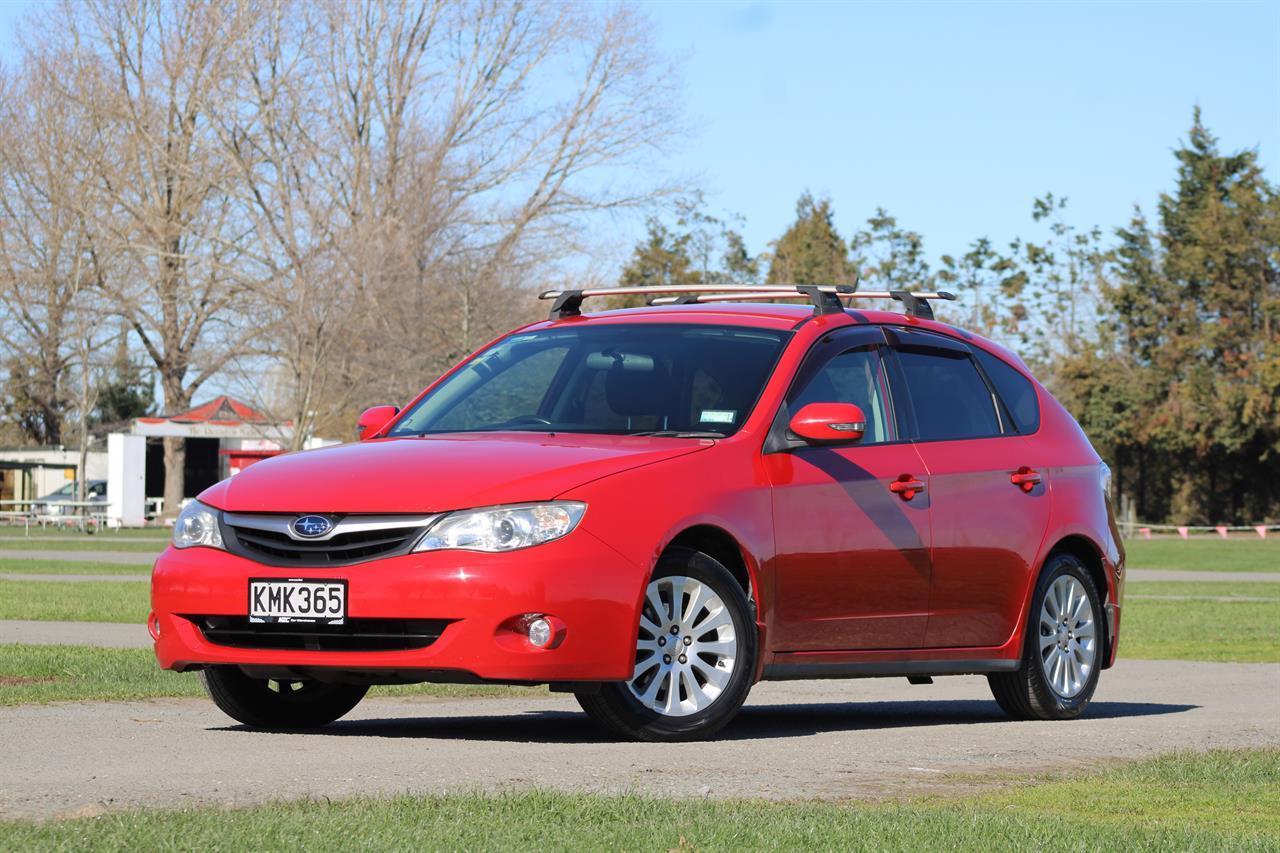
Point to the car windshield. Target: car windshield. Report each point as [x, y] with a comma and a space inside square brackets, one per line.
[689, 380]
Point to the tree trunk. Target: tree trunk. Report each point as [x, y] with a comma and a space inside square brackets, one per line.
[175, 481]
[176, 399]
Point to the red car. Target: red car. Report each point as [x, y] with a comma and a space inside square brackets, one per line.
[654, 508]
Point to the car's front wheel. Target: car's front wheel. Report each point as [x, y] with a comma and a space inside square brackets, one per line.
[695, 655]
[278, 704]
[1063, 648]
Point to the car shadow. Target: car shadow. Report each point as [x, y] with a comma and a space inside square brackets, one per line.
[757, 722]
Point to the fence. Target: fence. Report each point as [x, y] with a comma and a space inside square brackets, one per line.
[91, 515]
[1134, 529]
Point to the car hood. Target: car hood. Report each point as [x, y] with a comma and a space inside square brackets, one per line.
[437, 473]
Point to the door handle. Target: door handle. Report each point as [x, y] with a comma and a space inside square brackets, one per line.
[906, 487]
[1025, 478]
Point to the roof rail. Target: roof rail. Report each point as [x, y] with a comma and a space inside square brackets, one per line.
[825, 297]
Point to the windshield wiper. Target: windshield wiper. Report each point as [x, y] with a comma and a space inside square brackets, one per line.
[677, 433]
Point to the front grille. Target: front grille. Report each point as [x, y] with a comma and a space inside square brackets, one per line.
[343, 548]
[355, 635]
[265, 539]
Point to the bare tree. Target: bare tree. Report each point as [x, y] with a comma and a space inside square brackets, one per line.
[146, 75]
[409, 167]
[345, 196]
[48, 256]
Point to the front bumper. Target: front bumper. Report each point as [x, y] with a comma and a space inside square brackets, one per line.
[587, 586]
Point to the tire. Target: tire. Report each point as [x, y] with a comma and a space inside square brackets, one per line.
[712, 682]
[301, 704]
[1048, 685]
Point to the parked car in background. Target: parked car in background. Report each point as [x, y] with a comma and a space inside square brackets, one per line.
[655, 508]
[54, 502]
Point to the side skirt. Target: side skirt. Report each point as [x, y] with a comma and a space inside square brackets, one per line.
[884, 669]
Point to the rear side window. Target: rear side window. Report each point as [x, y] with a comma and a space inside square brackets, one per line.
[1016, 390]
[949, 396]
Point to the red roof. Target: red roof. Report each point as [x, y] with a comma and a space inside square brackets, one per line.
[220, 410]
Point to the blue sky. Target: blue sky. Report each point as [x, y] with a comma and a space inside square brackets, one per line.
[953, 115]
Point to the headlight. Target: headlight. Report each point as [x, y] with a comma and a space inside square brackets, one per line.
[1104, 478]
[503, 528]
[197, 524]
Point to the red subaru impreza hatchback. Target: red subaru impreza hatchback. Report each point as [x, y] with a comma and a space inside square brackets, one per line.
[655, 508]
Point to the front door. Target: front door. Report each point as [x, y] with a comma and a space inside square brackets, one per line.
[853, 564]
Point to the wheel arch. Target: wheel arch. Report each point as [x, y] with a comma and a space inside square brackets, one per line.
[720, 544]
[1088, 553]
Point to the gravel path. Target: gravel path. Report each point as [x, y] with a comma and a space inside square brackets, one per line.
[104, 635]
[133, 558]
[1138, 575]
[18, 576]
[1254, 598]
[828, 739]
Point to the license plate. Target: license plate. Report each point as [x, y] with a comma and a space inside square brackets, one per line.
[298, 600]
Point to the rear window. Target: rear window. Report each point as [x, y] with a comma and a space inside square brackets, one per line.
[1016, 390]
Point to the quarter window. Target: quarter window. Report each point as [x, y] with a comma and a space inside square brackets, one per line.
[949, 396]
[1016, 390]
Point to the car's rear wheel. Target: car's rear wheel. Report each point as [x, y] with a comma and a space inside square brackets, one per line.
[1062, 653]
[695, 655]
[278, 704]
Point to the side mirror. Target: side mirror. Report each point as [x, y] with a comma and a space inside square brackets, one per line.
[374, 419]
[829, 423]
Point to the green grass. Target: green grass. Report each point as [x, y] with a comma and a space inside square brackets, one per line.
[24, 566]
[1215, 801]
[1241, 631]
[91, 601]
[83, 543]
[52, 673]
[1208, 555]
[33, 674]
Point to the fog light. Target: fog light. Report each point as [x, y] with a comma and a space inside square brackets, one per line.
[540, 631]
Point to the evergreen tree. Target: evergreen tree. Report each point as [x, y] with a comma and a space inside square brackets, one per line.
[739, 266]
[1181, 387]
[889, 257]
[127, 392]
[811, 251]
[661, 258]
[987, 285]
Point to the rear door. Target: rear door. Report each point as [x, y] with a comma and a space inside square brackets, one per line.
[990, 494]
[852, 566]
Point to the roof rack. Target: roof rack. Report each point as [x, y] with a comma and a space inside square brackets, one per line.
[825, 297]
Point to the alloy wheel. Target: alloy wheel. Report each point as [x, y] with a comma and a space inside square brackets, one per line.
[1068, 636]
[686, 649]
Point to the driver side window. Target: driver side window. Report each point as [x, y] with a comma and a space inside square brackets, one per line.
[855, 376]
[514, 393]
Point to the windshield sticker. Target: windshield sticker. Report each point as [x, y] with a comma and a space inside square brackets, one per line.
[717, 416]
